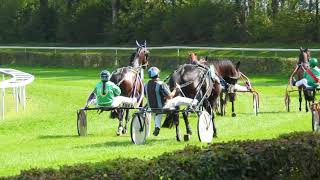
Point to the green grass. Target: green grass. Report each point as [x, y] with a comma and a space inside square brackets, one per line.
[45, 135]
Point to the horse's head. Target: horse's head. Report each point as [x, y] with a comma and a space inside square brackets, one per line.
[233, 80]
[142, 54]
[193, 57]
[304, 55]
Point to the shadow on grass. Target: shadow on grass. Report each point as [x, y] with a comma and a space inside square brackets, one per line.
[56, 136]
[123, 143]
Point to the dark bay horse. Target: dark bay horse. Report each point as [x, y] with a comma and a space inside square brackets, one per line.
[130, 81]
[229, 75]
[303, 62]
[194, 82]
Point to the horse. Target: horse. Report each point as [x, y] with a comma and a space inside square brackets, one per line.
[303, 60]
[194, 82]
[130, 81]
[228, 75]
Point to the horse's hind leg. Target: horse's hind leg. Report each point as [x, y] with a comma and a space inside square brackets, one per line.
[233, 113]
[186, 121]
[176, 121]
[124, 131]
[300, 100]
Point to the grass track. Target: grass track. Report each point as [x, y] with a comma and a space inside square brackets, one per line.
[45, 134]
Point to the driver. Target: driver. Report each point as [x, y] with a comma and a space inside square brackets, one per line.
[106, 93]
[157, 93]
[311, 79]
[160, 97]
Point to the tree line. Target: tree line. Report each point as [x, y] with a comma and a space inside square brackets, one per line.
[159, 21]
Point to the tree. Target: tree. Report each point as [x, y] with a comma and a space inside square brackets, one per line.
[115, 8]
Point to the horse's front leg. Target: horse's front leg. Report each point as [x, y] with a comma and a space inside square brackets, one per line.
[120, 127]
[232, 107]
[300, 100]
[124, 131]
[176, 122]
[186, 121]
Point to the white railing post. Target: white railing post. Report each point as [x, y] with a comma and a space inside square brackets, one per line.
[2, 103]
[24, 97]
[116, 61]
[17, 99]
[178, 52]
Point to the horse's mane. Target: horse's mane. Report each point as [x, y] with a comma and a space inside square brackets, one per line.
[227, 67]
[131, 60]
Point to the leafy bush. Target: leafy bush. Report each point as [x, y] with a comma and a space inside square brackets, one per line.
[291, 156]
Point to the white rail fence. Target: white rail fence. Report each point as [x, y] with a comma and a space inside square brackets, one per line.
[17, 82]
[177, 48]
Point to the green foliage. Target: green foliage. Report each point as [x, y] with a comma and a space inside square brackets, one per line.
[175, 21]
[293, 156]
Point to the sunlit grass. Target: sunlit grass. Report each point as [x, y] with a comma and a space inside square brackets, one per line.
[45, 134]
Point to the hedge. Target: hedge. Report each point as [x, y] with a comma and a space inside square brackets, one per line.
[252, 65]
[291, 156]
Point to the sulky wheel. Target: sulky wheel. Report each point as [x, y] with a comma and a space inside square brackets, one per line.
[205, 127]
[82, 122]
[315, 121]
[138, 128]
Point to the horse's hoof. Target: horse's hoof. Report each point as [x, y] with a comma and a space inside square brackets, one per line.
[234, 114]
[186, 137]
[189, 131]
[124, 131]
[299, 109]
[178, 138]
[120, 130]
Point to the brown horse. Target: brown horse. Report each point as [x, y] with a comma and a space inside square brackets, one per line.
[194, 82]
[303, 62]
[130, 81]
[228, 75]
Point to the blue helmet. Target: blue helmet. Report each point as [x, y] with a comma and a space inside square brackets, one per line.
[153, 72]
[104, 75]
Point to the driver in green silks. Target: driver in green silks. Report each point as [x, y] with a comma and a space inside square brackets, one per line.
[308, 80]
[104, 92]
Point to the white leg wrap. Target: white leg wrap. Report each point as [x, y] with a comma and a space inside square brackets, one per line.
[240, 88]
[157, 120]
[117, 101]
[178, 101]
[302, 82]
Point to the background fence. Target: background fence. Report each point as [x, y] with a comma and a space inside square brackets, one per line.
[176, 48]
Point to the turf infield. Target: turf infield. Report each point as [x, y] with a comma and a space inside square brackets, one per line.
[45, 134]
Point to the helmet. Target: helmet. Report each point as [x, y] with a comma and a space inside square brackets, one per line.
[153, 72]
[104, 75]
[313, 62]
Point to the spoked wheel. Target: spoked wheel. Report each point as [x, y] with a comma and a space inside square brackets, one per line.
[82, 122]
[255, 105]
[315, 121]
[138, 128]
[205, 127]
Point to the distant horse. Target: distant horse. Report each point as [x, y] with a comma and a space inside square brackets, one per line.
[228, 75]
[194, 82]
[304, 57]
[130, 81]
